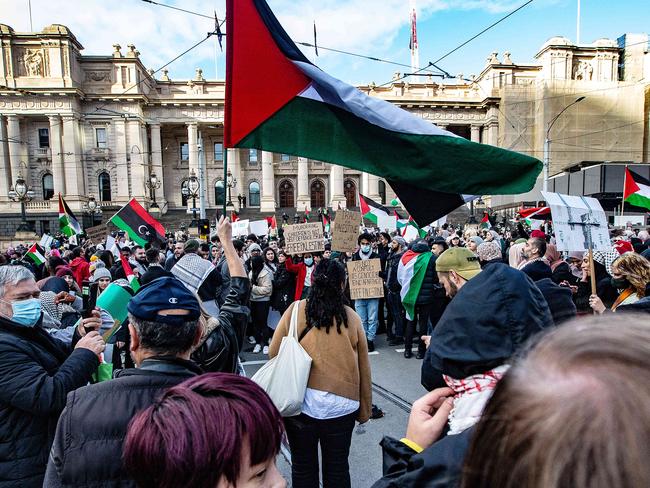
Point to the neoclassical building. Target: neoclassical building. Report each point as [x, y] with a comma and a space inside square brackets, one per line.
[103, 128]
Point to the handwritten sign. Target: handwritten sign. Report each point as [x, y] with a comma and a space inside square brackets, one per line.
[240, 228]
[302, 238]
[364, 279]
[98, 233]
[345, 231]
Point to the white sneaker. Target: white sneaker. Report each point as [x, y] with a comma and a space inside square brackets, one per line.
[265, 350]
[257, 349]
[251, 340]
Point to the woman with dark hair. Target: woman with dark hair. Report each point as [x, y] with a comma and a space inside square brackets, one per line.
[339, 387]
[604, 288]
[284, 285]
[270, 259]
[229, 436]
[261, 290]
[630, 277]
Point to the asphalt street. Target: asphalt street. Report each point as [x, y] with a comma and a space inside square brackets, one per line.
[396, 384]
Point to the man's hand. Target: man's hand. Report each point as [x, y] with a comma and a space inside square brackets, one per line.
[93, 342]
[224, 230]
[93, 322]
[429, 415]
[63, 297]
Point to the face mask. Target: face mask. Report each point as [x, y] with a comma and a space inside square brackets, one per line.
[309, 261]
[365, 249]
[26, 312]
[620, 284]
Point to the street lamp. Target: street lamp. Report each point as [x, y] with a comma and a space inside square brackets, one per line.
[153, 183]
[192, 191]
[92, 207]
[547, 141]
[22, 193]
[231, 183]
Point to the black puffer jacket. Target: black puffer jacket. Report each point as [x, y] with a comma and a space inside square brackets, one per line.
[284, 289]
[391, 272]
[36, 373]
[87, 449]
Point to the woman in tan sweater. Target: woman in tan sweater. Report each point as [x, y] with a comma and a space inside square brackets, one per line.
[339, 387]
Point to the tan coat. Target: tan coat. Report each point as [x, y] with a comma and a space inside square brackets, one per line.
[340, 362]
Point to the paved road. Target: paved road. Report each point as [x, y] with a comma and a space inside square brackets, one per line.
[397, 384]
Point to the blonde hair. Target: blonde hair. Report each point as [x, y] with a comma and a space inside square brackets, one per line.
[636, 270]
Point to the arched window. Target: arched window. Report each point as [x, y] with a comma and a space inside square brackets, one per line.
[219, 193]
[350, 192]
[48, 186]
[317, 194]
[184, 194]
[104, 182]
[286, 194]
[254, 194]
[382, 191]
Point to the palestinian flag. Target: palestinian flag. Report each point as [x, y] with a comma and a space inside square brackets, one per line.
[371, 210]
[307, 215]
[412, 223]
[130, 275]
[36, 254]
[326, 223]
[410, 274]
[138, 223]
[637, 190]
[68, 223]
[301, 110]
[485, 221]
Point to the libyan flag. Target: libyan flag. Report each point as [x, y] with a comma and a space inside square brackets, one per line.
[303, 111]
[410, 273]
[637, 190]
[141, 227]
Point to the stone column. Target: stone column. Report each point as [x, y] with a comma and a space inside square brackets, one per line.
[73, 169]
[476, 133]
[336, 185]
[58, 171]
[192, 141]
[157, 163]
[139, 164]
[234, 165]
[304, 201]
[15, 150]
[267, 202]
[493, 134]
[119, 149]
[373, 188]
[5, 164]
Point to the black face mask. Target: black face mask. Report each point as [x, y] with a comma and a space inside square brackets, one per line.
[620, 284]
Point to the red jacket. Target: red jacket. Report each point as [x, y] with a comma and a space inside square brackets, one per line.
[80, 270]
[299, 269]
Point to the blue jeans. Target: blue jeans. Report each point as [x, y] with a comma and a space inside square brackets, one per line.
[367, 309]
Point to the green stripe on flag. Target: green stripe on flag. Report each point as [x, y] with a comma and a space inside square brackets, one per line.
[119, 223]
[638, 200]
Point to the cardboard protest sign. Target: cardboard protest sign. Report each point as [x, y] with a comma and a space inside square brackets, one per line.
[46, 241]
[579, 222]
[302, 238]
[364, 279]
[97, 234]
[387, 223]
[259, 227]
[240, 228]
[345, 231]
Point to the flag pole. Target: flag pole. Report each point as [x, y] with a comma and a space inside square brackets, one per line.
[624, 185]
[225, 182]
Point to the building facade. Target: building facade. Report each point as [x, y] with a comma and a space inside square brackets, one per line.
[106, 128]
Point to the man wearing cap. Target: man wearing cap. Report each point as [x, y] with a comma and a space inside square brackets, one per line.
[164, 328]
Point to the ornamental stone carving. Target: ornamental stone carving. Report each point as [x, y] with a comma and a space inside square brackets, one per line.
[583, 71]
[98, 76]
[33, 61]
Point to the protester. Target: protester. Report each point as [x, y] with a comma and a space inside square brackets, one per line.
[284, 285]
[339, 386]
[303, 271]
[438, 246]
[605, 291]
[261, 289]
[630, 277]
[534, 252]
[179, 251]
[473, 242]
[155, 269]
[36, 373]
[367, 308]
[79, 266]
[394, 300]
[489, 252]
[230, 436]
[224, 270]
[558, 298]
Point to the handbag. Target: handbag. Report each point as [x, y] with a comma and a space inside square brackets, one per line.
[284, 378]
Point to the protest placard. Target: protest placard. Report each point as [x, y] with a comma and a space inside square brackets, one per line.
[302, 238]
[387, 223]
[259, 227]
[240, 228]
[345, 231]
[97, 234]
[364, 279]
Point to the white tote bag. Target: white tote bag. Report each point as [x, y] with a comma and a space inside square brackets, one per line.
[285, 376]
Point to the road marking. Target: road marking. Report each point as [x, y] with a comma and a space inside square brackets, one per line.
[252, 363]
[373, 353]
[396, 350]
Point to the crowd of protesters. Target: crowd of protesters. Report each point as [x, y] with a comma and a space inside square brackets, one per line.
[498, 320]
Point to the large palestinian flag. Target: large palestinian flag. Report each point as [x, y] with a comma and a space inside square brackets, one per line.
[410, 273]
[637, 189]
[68, 223]
[138, 223]
[301, 110]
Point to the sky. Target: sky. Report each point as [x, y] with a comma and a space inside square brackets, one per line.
[378, 28]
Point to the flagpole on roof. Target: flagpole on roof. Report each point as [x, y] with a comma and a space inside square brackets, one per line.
[624, 183]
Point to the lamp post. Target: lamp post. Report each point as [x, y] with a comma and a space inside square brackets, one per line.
[153, 183]
[92, 207]
[547, 141]
[22, 193]
[192, 191]
[231, 183]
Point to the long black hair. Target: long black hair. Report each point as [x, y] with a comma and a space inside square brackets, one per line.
[326, 301]
[257, 263]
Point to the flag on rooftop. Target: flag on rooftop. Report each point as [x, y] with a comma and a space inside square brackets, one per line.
[637, 189]
[303, 111]
[68, 223]
[141, 227]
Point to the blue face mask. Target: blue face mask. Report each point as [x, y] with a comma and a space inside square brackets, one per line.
[26, 312]
[309, 261]
[365, 248]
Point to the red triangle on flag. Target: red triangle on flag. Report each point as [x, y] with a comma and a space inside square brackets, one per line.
[630, 185]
